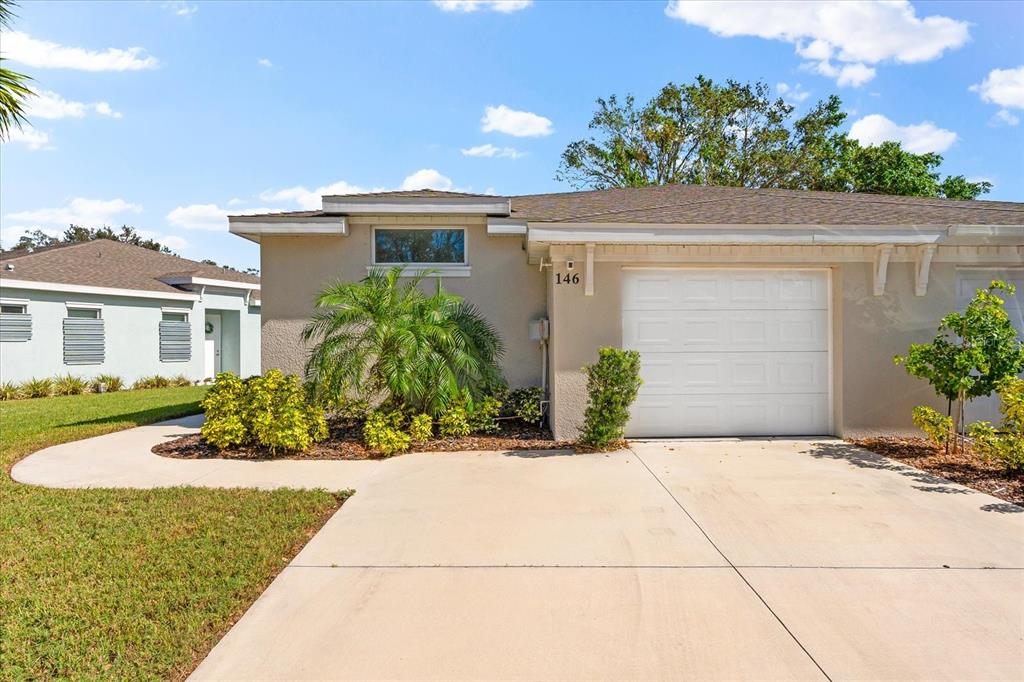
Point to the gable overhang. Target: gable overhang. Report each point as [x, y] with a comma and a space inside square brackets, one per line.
[30, 285]
[390, 205]
[186, 280]
[255, 227]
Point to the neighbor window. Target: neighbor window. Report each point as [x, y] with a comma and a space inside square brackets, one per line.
[15, 322]
[175, 317]
[84, 313]
[421, 246]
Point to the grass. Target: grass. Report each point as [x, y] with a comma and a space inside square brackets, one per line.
[129, 584]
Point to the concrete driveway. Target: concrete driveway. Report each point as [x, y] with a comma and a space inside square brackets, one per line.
[753, 559]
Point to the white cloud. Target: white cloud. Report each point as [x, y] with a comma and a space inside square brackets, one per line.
[490, 151]
[853, 33]
[427, 178]
[263, 61]
[310, 200]
[209, 217]
[172, 241]
[503, 6]
[235, 201]
[918, 138]
[23, 48]
[32, 138]
[1004, 87]
[47, 104]
[792, 94]
[1006, 117]
[517, 123]
[79, 211]
[180, 7]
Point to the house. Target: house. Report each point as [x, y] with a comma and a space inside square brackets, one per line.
[756, 312]
[106, 307]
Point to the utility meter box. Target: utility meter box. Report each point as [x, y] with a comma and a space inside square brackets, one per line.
[539, 329]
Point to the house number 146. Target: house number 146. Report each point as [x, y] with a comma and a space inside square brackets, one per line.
[574, 278]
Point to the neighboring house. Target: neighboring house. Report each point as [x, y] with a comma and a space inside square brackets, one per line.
[105, 307]
[756, 312]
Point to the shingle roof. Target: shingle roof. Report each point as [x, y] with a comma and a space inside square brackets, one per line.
[702, 205]
[108, 263]
[417, 194]
[693, 204]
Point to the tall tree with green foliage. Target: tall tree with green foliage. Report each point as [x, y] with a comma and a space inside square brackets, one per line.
[385, 339]
[14, 88]
[37, 239]
[974, 352]
[738, 135]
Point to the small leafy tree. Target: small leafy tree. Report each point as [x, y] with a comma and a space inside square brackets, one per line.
[612, 385]
[973, 353]
[384, 338]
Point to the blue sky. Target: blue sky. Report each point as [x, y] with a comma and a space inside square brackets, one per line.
[168, 115]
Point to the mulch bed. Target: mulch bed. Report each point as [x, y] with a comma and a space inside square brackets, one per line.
[345, 442]
[966, 468]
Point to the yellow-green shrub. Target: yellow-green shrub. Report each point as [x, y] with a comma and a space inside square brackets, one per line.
[483, 415]
[1005, 444]
[935, 425]
[383, 433]
[279, 416]
[421, 428]
[454, 421]
[225, 406]
[612, 385]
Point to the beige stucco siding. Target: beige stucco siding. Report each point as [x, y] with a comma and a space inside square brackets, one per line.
[505, 288]
[870, 393]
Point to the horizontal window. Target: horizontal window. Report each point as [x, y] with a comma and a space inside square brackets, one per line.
[174, 317]
[84, 339]
[13, 308]
[423, 246]
[84, 313]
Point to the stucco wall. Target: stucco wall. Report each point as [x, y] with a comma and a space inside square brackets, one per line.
[132, 338]
[871, 394]
[506, 289]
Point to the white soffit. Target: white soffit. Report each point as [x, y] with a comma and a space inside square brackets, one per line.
[506, 227]
[312, 226]
[87, 289]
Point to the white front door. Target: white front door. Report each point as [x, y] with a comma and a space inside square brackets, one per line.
[728, 352]
[211, 345]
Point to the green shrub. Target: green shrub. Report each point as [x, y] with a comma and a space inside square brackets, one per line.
[383, 433]
[180, 380]
[155, 381]
[280, 417]
[113, 383]
[69, 385]
[225, 406]
[421, 428]
[37, 388]
[483, 415]
[612, 385]
[1005, 444]
[9, 391]
[454, 421]
[935, 425]
[525, 404]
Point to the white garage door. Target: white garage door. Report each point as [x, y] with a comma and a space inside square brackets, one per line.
[728, 352]
[968, 282]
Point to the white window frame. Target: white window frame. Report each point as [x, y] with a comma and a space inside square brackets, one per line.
[98, 307]
[175, 311]
[444, 269]
[20, 302]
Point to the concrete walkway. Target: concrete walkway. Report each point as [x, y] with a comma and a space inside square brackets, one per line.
[740, 559]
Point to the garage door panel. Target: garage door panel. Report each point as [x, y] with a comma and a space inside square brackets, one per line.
[716, 415]
[728, 352]
[725, 289]
[733, 373]
[731, 330]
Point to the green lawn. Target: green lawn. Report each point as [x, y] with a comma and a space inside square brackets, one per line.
[129, 584]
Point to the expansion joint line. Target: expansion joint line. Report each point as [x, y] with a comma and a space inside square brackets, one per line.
[731, 564]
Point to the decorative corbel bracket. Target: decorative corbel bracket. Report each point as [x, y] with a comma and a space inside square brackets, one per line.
[588, 286]
[923, 266]
[882, 254]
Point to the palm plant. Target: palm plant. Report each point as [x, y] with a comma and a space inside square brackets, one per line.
[14, 90]
[386, 339]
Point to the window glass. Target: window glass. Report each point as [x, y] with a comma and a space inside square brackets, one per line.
[175, 317]
[14, 309]
[420, 246]
[87, 313]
